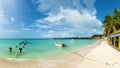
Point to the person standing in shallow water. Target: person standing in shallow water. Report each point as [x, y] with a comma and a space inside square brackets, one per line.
[10, 48]
[20, 50]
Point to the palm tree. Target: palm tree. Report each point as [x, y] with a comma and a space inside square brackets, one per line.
[117, 18]
[111, 23]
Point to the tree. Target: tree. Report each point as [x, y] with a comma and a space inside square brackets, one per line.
[108, 24]
[117, 18]
[111, 23]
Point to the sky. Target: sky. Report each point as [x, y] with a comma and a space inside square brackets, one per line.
[53, 18]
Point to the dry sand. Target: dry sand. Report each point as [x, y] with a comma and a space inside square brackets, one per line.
[98, 55]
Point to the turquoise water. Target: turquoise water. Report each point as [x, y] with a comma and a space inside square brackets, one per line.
[39, 48]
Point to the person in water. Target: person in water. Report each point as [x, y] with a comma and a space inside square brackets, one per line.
[20, 50]
[10, 48]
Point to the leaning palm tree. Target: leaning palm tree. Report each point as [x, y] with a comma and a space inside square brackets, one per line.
[116, 18]
[111, 23]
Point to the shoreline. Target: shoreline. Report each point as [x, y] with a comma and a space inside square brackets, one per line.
[97, 55]
[68, 51]
[49, 62]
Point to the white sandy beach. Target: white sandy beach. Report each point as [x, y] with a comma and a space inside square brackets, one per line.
[99, 55]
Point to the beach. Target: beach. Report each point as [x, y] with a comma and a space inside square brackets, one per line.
[97, 55]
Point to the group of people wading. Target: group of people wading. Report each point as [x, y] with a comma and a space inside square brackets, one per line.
[21, 46]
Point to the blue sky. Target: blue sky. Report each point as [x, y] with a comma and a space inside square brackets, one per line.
[53, 18]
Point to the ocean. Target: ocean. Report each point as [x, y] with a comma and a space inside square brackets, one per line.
[39, 48]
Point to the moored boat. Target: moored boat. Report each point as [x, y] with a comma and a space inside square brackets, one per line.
[60, 44]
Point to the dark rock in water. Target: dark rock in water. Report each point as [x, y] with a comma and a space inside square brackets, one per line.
[24, 43]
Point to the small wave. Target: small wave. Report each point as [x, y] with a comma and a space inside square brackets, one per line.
[13, 59]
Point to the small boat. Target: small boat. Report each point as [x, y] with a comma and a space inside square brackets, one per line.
[60, 44]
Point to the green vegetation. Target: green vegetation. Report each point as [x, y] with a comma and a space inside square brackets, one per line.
[111, 23]
[97, 36]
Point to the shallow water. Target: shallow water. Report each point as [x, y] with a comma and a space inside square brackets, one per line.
[39, 48]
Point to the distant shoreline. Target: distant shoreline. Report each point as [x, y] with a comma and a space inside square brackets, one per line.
[42, 38]
[92, 37]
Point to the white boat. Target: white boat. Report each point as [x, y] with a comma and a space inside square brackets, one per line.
[60, 44]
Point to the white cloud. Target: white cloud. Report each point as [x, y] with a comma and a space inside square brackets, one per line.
[8, 27]
[56, 34]
[69, 18]
[3, 19]
[82, 24]
[54, 18]
[23, 28]
[42, 26]
[40, 23]
[12, 19]
[53, 5]
[8, 33]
